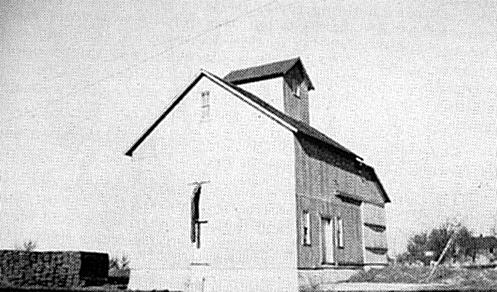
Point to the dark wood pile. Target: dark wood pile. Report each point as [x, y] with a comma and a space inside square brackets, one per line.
[53, 269]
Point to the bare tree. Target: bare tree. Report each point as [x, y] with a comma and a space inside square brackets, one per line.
[429, 245]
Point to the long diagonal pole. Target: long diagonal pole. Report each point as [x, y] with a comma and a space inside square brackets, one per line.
[440, 258]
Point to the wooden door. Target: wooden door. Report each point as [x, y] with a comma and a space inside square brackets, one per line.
[327, 241]
[198, 226]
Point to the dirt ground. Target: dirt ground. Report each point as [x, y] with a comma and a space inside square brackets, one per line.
[448, 276]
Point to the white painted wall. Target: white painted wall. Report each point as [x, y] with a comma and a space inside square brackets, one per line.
[250, 240]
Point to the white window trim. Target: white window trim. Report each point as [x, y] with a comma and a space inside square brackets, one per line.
[339, 232]
[306, 228]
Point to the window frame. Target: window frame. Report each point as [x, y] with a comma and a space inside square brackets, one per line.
[205, 105]
[340, 242]
[297, 91]
[306, 228]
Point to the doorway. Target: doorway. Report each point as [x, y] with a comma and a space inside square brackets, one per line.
[327, 241]
[199, 265]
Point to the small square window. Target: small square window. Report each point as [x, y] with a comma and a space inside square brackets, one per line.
[306, 231]
[205, 106]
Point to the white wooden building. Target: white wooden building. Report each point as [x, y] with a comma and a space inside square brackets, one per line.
[249, 196]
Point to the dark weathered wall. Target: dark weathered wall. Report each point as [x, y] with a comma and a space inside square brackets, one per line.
[53, 269]
[311, 256]
[321, 173]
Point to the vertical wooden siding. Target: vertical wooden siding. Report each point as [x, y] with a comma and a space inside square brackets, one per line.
[296, 107]
[374, 238]
[322, 170]
[320, 174]
[374, 230]
[310, 256]
[374, 214]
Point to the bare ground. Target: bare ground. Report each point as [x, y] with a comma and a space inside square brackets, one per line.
[446, 276]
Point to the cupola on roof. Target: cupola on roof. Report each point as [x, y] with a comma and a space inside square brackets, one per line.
[267, 71]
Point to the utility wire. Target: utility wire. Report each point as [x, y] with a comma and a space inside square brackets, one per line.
[150, 57]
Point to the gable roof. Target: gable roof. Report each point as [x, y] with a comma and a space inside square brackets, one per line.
[296, 126]
[292, 124]
[267, 71]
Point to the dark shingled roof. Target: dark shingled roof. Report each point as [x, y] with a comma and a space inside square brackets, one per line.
[266, 71]
[301, 127]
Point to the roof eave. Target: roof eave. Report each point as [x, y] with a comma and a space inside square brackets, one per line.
[235, 78]
[256, 79]
[164, 113]
[380, 185]
[345, 152]
[179, 97]
[310, 86]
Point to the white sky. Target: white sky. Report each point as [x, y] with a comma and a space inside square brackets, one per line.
[411, 87]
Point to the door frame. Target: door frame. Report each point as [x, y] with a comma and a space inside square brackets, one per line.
[323, 246]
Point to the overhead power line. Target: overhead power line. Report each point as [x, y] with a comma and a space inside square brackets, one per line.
[182, 41]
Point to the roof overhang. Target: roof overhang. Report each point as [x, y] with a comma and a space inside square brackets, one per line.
[167, 110]
[378, 183]
[268, 71]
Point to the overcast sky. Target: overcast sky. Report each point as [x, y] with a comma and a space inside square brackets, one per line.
[411, 87]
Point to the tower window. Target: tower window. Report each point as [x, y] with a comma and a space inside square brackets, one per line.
[297, 92]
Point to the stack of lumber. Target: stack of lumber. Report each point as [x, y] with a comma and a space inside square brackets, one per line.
[52, 269]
